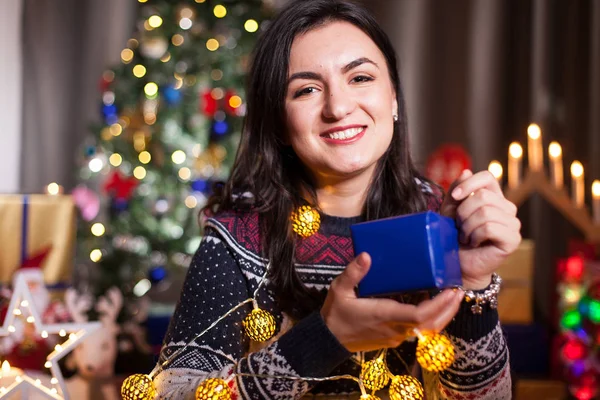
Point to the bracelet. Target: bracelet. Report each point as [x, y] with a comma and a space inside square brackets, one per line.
[489, 295]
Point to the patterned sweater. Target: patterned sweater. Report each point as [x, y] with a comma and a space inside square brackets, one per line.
[227, 269]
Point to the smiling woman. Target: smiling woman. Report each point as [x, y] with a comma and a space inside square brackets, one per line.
[326, 134]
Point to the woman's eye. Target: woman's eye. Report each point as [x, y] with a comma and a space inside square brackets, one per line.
[361, 79]
[307, 90]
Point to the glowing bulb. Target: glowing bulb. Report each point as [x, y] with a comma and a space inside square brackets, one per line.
[142, 287]
[38, 382]
[251, 25]
[496, 169]
[217, 93]
[145, 157]
[151, 89]
[139, 172]
[212, 44]
[16, 311]
[554, 150]
[185, 173]
[178, 157]
[48, 364]
[177, 40]
[96, 255]
[596, 188]
[235, 101]
[96, 164]
[220, 11]
[30, 319]
[44, 334]
[185, 23]
[139, 71]
[24, 303]
[53, 381]
[534, 131]
[166, 57]
[576, 169]
[515, 150]
[58, 347]
[62, 333]
[116, 129]
[5, 367]
[155, 21]
[127, 55]
[115, 159]
[98, 229]
[53, 188]
[191, 202]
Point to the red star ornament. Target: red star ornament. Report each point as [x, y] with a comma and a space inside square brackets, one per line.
[120, 187]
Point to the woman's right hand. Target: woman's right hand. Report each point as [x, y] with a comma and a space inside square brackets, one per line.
[364, 324]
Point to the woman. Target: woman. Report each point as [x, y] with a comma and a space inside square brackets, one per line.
[326, 126]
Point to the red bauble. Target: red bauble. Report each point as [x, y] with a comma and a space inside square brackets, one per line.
[121, 188]
[208, 104]
[574, 350]
[445, 165]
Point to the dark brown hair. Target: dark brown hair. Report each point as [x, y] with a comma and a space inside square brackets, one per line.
[270, 170]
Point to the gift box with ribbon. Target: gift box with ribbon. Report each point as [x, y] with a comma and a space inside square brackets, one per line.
[408, 253]
[29, 226]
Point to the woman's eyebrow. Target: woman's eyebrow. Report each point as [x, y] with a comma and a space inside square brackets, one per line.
[316, 76]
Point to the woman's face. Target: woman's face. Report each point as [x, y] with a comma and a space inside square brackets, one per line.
[340, 102]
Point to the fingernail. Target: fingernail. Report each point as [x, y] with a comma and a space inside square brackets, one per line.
[456, 193]
[361, 261]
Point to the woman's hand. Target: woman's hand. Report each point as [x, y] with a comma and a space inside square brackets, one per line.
[489, 229]
[364, 324]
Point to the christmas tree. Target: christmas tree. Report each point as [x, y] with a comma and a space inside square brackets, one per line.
[171, 119]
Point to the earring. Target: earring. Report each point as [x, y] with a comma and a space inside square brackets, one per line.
[395, 117]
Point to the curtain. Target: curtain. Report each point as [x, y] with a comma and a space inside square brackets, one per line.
[477, 72]
[66, 46]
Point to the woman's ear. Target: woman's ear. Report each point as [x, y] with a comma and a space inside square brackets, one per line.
[395, 111]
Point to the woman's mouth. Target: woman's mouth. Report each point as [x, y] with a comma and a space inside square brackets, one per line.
[347, 135]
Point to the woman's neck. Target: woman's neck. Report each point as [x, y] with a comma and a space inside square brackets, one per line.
[343, 197]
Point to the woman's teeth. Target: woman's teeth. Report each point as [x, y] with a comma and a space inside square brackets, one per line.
[345, 134]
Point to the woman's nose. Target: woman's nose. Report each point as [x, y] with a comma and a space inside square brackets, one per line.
[338, 103]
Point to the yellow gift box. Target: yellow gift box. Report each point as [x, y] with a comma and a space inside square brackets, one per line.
[30, 223]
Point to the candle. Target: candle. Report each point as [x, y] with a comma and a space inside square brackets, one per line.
[556, 166]
[534, 147]
[8, 374]
[515, 158]
[54, 189]
[496, 169]
[596, 201]
[577, 184]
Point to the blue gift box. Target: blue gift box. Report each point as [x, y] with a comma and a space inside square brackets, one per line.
[409, 253]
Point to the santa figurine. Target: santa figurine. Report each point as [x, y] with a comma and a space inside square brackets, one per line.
[25, 348]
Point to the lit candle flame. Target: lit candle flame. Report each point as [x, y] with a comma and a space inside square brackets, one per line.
[515, 150]
[534, 131]
[5, 367]
[576, 169]
[554, 150]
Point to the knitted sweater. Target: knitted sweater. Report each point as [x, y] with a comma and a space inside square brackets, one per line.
[227, 269]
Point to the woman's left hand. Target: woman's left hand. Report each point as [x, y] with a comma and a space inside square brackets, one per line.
[489, 229]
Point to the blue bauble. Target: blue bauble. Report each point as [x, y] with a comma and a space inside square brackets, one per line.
[171, 95]
[157, 274]
[220, 127]
[199, 185]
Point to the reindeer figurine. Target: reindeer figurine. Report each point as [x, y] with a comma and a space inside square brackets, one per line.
[94, 359]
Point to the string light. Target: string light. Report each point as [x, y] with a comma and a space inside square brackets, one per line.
[259, 325]
[151, 89]
[406, 387]
[138, 387]
[166, 57]
[185, 23]
[139, 172]
[251, 26]
[220, 11]
[305, 221]
[115, 159]
[53, 189]
[96, 255]
[145, 157]
[155, 21]
[96, 164]
[178, 157]
[126, 56]
[191, 202]
[98, 229]
[375, 374]
[116, 129]
[213, 389]
[184, 173]
[177, 39]
[216, 74]
[435, 352]
[212, 44]
[235, 101]
[139, 71]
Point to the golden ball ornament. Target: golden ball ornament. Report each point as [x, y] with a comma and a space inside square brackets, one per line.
[375, 374]
[213, 389]
[306, 221]
[138, 387]
[435, 352]
[259, 325]
[406, 387]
